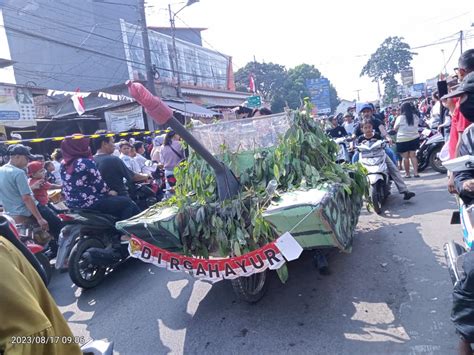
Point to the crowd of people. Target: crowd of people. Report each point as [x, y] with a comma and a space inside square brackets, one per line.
[453, 115]
[96, 174]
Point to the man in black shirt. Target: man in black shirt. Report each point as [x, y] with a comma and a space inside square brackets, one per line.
[111, 167]
[366, 112]
[336, 131]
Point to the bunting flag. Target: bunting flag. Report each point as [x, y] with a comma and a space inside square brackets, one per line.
[78, 102]
[101, 94]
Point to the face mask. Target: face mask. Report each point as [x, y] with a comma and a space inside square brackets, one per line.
[467, 108]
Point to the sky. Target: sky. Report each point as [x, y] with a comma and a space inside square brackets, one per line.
[335, 36]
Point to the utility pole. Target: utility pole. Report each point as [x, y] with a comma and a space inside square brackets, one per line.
[444, 63]
[175, 52]
[150, 74]
[358, 95]
[461, 33]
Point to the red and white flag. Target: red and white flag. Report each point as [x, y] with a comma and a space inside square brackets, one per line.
[251, 84]
[78, 102]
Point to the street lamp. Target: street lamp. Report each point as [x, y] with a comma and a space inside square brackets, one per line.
[173, 36]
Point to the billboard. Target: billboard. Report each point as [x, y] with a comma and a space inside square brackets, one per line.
[198, 66]
[407, 76]
[17, 107]
[320, 94]
[418, 90]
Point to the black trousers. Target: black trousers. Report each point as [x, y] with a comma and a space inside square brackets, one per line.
[55, 224]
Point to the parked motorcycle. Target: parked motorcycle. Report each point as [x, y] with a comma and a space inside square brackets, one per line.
[431, 143]
[373, 158]
[89, 246]
[8, 225]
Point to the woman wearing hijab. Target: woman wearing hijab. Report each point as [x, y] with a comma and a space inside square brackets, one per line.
[171, 155]
[83, 186]
[155, 152]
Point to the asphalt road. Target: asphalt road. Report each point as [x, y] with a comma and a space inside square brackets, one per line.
[391, 295]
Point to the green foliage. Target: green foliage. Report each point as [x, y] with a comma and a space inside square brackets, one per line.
[305, 158]
[389, 59]
[280, 86]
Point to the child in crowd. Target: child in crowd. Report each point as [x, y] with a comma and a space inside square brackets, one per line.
[38, 183]
[50, 177]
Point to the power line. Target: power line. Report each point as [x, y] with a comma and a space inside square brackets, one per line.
[451, 56]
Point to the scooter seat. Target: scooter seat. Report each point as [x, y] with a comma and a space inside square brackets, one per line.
[95, 217]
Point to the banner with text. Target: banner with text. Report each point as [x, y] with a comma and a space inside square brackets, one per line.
[125, 119]
[271, 256]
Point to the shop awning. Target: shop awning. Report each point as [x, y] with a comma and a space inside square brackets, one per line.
[189, 109]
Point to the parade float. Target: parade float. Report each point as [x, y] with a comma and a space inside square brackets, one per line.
[252, 194]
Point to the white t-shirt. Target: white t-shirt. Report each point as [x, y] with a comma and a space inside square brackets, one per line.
[350, 127]
[130, 163]
[141, 160]
[405, 132]
[56, 172]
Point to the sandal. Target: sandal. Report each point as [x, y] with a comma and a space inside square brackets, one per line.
[416, 176]
[407, 176]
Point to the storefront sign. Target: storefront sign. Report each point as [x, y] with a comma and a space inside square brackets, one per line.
[271, 256]
[124, 119]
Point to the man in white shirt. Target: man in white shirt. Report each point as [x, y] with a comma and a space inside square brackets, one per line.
[349, 123]
[137, 154]
[126, 156]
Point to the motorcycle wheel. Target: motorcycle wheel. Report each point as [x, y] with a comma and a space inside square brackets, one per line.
[435, 162]
[252, 288]
[422, 162]
[85, 276]
[376, 198]
[45, 264]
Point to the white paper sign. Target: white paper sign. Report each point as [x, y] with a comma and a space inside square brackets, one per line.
[121, 120]
[289, 247]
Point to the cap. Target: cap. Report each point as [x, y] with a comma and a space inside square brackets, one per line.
[20, 149]
[348, 114]
[466, 86]
[365, 107]
[34, 167]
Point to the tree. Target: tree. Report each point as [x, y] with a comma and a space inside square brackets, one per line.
[297, 78]
[270, 80]
[280, 86]
[389, 59]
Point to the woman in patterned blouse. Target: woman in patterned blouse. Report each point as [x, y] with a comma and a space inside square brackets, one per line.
[83, 186]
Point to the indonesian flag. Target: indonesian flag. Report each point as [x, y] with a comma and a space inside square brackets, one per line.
[78, 102]
[251, 84]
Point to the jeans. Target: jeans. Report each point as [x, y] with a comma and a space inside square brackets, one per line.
[55, 224]
[388, 151]
[396, 176]
[466, 196]
[121, 207]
